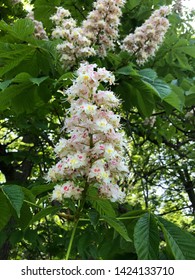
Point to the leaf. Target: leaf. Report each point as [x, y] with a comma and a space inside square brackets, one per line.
[146, 238]
[132, 4]
[127, 71]
[39, 189]
[23, 28]
[5, 84]
[118, 226]
[181, 243]
[145, 103]
[149, 74]
[25, 96]
[13, 55]
[176, 98]
[38, 81]
[5, 212]
[44, 9]
[94, 217]
[127, 93]
[43, 213]
[155, 85]
[182, 61]
[190, 97]
[190, 50]
[25, 215]
[104, 207]
[161, 88]
[15, 196]
[21, 78]
[28, 195]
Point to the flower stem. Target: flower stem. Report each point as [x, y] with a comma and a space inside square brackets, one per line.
[71, 239]
[76, 220]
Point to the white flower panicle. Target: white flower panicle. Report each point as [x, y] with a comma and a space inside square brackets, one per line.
[94, 150]
[75, 44]
[178, 7]
[39, 32]
[101, 25]
[146, 39]
[99, 29]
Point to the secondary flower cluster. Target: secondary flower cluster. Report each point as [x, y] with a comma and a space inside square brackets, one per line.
[39, 29]
[178, 7]
[101, 25]
[94, 150]
[100, 28]
[147, 38]
[75, 43]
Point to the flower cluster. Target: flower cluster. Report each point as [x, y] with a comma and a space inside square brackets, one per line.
[101, 25]
[178, 7]
[75, 43]
[146, 39]
[39, 29]
[94, 150]
[100, 28]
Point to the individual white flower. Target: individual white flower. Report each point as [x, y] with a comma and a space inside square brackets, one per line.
[102, 125]
[110, 152]
[76, 160]
[57, 193]
[113, 192]
[70, 190]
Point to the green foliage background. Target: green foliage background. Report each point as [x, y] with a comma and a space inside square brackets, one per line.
[158, 116]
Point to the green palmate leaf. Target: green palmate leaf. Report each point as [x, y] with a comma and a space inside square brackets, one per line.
[182, 60]
[154, 85]
[145, 103]
[25, 96]
[94, 217]
[181, 243]
[162, 88]
[146, 238]
[118, 226]
[190, 50]
[127, 93]
[25, 215]
[190, 96]
[21, 29]
[21, 78]
[44, 9]
[43, 213]
[133, 3]
[15, 196]
[149, 74]
[38, 81]
[13, 55]
[176, 98]
[127, 70]
[5, 212]
[104, 207]
[28, 195]
[5, 84]
[39, 189]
